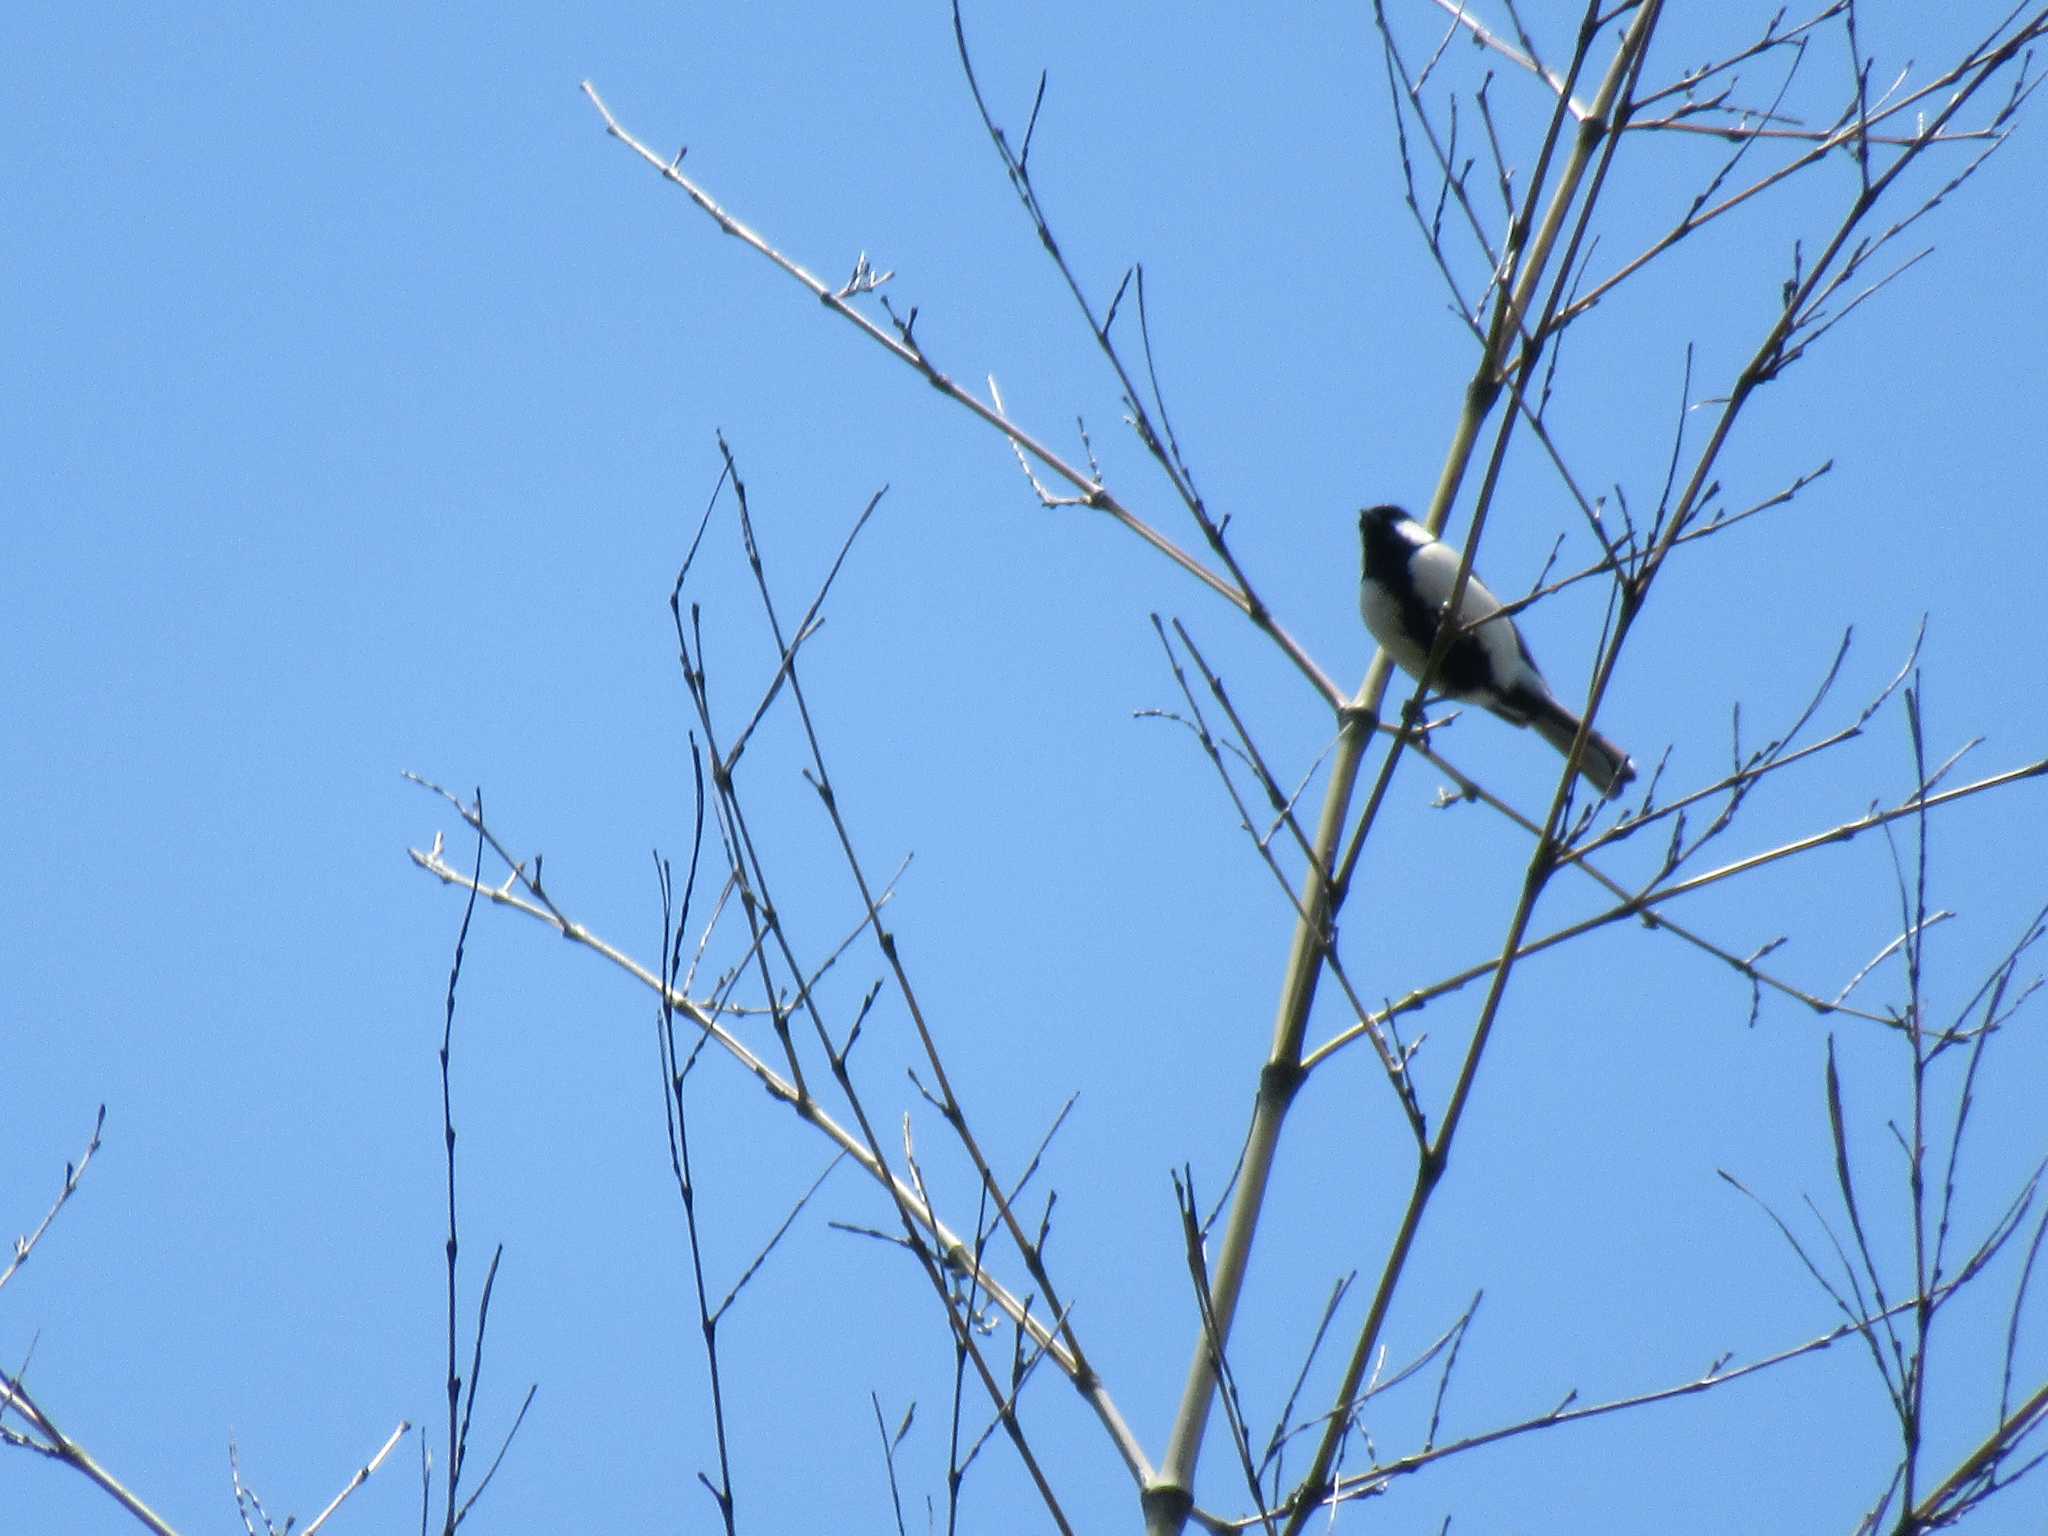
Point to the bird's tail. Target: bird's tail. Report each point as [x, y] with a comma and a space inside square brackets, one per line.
[1603, 765]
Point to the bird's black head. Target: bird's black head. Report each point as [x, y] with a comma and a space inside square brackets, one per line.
[1385, 532]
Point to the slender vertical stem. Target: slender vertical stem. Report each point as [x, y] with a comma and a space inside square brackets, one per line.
[1277, 1083]
[1170, 1495]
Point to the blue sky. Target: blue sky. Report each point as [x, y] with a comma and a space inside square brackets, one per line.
[364, 402]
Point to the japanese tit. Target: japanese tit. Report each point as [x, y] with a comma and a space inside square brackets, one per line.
[1407, 582]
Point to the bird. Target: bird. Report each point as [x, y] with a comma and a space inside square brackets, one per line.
[1403, 591]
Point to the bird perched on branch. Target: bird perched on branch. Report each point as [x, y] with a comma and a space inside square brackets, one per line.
[1407, 583]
